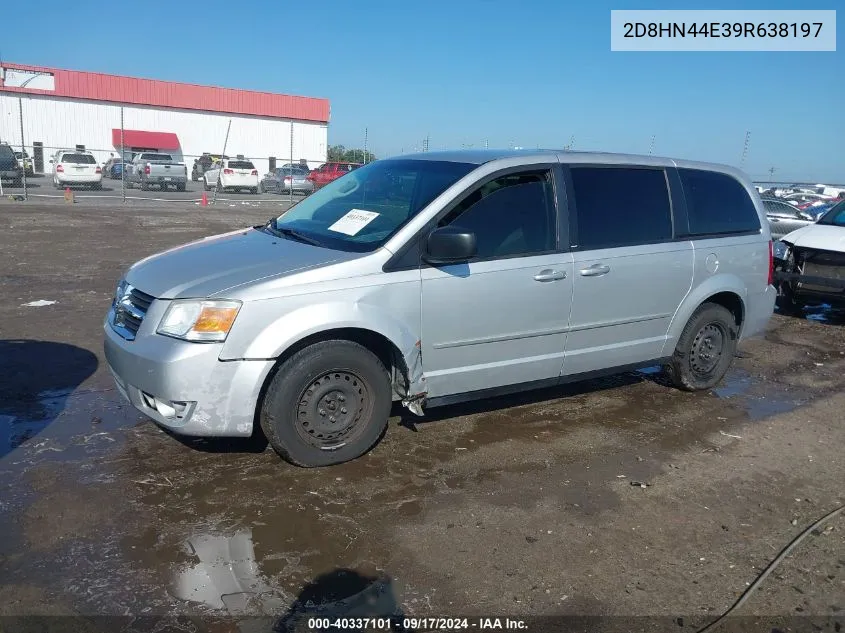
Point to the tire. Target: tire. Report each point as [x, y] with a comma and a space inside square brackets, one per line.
[205, 184]
[145, 186]
[180, 187]
[338, 371]
[98, 186]
[254, 191]
[711, 330]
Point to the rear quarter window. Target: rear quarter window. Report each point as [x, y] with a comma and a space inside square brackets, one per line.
[717, 204]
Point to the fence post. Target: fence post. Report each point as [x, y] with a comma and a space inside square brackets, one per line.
[219, 171]
[23, 149]
[290, 167]
[122, 159]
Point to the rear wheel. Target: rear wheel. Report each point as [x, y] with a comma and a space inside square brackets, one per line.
[705, 349]
[180, 187]
[329, 403]
[254, 191]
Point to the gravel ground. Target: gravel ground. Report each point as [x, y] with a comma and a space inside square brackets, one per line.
[519, 507]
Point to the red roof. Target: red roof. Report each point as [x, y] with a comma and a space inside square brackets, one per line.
[77, 84]
[139, 138]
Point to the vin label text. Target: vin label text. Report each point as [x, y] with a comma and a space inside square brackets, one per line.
[723, 30]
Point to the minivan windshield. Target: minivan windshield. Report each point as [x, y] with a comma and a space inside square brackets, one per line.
[361, 210]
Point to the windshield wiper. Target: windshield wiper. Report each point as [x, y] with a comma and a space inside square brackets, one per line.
[296, 235]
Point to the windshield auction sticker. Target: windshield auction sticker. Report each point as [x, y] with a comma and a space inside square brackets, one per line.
[353, 222]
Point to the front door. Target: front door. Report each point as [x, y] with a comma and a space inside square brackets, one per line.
[630, 274]
[501, 318]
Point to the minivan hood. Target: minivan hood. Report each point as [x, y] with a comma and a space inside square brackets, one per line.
[215, 264]
[824, 237]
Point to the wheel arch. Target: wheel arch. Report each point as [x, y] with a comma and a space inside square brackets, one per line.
[728, 291]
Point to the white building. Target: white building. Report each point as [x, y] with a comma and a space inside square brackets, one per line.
[65, 109]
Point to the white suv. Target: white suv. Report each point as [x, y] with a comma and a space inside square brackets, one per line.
[232, 173]
[72, 168]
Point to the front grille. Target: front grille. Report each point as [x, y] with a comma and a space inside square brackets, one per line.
[130, 311]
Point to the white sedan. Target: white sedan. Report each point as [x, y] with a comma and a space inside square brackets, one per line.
[232, 173]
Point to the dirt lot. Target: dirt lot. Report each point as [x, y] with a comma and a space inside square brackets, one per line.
[519, 507]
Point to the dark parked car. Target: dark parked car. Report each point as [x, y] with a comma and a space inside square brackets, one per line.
[203, 164]
[10, 170]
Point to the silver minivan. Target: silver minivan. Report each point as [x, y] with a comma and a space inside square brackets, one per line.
[440, 277]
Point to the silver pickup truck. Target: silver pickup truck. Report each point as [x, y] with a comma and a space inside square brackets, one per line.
[153, 168]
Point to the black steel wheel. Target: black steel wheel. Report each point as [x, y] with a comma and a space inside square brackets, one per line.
[330, 409]
[705, 349]
[327, 404]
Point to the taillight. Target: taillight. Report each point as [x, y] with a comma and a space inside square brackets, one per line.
[228, 171]
[60, 168]
[147, 169]
[254, 172]
[98, 171]
[771, 262]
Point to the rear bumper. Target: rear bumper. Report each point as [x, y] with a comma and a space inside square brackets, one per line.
[165, 180]
[759, 308]
[243, 183]
[79, 179]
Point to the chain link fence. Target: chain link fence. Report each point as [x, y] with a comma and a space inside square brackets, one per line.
[137, 152]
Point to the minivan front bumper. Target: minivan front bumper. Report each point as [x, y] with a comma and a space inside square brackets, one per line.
[183, 386]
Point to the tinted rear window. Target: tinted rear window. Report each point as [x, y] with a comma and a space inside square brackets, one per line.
[620, 206]
[82, 159]
[241, 164]
[157, 157]
[717, 204]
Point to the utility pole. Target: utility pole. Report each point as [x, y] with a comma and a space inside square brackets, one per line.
[745, 149]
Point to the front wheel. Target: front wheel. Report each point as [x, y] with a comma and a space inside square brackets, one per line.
[705, 349]
[327, 404]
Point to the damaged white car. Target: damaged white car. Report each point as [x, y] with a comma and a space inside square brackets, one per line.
[810, 264]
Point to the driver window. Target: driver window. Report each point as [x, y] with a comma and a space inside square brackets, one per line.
[513, 215]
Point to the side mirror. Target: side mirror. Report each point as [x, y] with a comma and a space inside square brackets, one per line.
[450, 245]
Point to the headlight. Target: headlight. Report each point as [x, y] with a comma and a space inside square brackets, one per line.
[119, 292]
[781, 250]
[199, 320]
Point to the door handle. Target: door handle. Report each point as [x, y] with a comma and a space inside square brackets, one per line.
[595, 270]
[774, 219]
[550, 275]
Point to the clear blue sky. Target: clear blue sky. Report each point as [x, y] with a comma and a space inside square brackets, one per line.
[529, 73]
